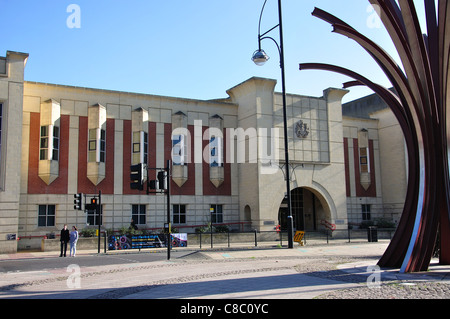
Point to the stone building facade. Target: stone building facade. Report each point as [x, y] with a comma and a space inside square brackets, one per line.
[227, 158]
[11, 118]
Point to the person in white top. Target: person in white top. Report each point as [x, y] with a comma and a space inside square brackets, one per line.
[73, 241]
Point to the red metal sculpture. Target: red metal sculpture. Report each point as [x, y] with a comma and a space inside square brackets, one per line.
[420, 105]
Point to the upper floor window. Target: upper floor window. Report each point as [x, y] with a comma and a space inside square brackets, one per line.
[216, 151]
[364, 160]
[179, 149]
[55, 153]
[364, 156]
[97, 145]
[140, 147]
[49, 143]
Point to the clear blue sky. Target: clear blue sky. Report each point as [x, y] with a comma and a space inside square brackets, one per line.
[194, 49]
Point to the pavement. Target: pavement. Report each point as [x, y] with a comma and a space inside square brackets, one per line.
[327, 271]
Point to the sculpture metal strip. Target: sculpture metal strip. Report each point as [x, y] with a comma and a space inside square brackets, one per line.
[420, 104]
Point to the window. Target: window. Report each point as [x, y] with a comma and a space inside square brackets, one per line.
[136, 142]
[179, 214]
[55, 153]
[140, 147]
[138, 214]
[46, 216]
[216, 152]
[97, 145]
[92, 148]
[216, 213]
[102, 145]
[365, 209]
[92, 218]
[43, 153]
[364, 160]
[145, 147]
[47, 145]
[178, 150]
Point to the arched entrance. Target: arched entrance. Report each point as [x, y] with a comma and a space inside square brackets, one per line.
[307, 210]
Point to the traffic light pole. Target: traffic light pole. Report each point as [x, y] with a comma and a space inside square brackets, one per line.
[160, 189]
[99, 211]
[93, 206]
[169, 242]
[137, 182]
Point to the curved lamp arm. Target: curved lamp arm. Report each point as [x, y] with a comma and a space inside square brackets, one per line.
[260, 57]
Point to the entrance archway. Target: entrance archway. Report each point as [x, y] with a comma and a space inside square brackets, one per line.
[308, 209]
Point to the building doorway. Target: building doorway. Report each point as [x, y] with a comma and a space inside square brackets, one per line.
[307, 210]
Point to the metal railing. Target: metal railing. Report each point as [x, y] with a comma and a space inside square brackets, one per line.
[274, 238]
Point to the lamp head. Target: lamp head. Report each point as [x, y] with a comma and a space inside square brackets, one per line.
[260, 57]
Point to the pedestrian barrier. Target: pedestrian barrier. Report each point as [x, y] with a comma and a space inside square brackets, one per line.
[275, 238]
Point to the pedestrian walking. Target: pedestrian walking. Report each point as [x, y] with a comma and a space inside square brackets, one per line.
[73, 241]
[64, 239]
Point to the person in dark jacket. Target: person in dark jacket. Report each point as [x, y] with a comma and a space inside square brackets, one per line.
[133, 226]
[64, 238]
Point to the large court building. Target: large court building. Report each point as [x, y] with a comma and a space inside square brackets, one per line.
[347, 162]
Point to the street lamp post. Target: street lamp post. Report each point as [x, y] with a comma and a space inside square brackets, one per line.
[259, 58]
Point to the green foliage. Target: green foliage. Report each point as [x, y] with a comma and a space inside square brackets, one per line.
[215, 229]
[221, 229]
[201, 229]
[384, 223]
[88, 232]
[131, 231]
[366, 224]
[379, 222]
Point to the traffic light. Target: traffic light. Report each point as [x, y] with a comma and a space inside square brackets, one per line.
[93, 205]
[137, 177]
[162, 180]
[153, 184]
[78, 201]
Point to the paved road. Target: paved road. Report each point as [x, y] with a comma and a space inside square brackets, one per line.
[324, 271]
[47, 262]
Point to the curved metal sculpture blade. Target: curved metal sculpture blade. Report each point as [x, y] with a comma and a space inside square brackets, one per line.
[420, 107]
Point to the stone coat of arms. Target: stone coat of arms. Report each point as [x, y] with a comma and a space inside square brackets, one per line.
[301, 129]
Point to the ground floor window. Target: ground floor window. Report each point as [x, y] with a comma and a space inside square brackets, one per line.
[93, 218]
[138, 214]
[365, 209]
[216, 213]
[179, 214]
[46, 215]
